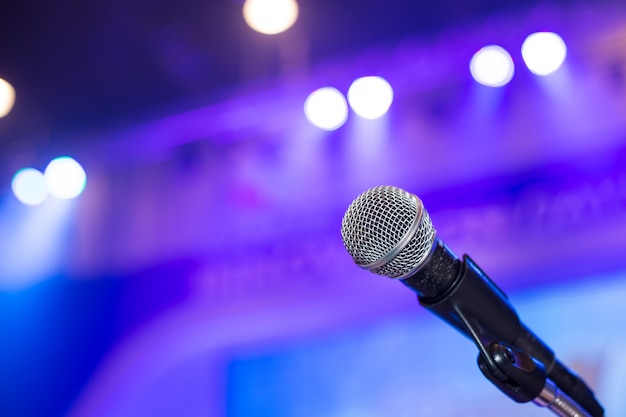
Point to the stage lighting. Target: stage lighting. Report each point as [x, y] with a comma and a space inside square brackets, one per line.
[65, 178]
[7, 97]
[370, 97]
[270, 16]
[29, 186]
[543, 52]
[492, 66]
[326, 108]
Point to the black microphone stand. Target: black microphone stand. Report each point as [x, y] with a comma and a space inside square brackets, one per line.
[520, 377]
[510, 355]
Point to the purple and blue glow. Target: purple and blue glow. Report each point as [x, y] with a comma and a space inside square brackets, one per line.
[207, 254]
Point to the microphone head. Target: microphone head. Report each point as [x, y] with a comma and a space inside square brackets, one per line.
[387, 231]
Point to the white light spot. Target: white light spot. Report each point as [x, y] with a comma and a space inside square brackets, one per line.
[29, 186]
[65, 178]
[270, 16]
[326, 108]
[370, 97]
[492, 66]
[7, 97]
[544, 52]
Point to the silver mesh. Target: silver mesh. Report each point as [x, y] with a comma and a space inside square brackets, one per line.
[374, 231]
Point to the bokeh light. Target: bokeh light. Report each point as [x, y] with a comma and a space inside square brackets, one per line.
[65, 178]
[492, 66]
[370, 97]
[29, 186]
[326, 108]
[270, 16]
[7, 97]
[544, 52]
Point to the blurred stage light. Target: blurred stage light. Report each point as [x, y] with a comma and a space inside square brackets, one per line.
[270, 16]
[543, 52]
[7, 97]
[65, 178]
[370, 97]
[326, 108]
[492, 66]
[29, 186]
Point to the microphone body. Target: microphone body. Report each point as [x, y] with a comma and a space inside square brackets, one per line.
[387, 231]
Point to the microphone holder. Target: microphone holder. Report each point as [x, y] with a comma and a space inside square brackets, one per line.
[519, 376]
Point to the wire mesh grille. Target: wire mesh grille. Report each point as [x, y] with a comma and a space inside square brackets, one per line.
[377, 221]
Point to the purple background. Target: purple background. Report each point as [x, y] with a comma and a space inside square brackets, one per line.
[202, 271]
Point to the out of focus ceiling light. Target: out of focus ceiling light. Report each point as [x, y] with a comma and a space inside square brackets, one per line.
[543, 52]
[65, 178]
[326, 108]
[492, 66]
[270, 16]
[7, 97]
[29, 186]
[370, 97]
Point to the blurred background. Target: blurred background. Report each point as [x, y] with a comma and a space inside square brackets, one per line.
[173, 176]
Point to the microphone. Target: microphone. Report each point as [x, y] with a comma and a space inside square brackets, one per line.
[387, 231]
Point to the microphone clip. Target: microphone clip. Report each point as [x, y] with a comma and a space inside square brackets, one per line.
[512, 371]
[519, 376]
